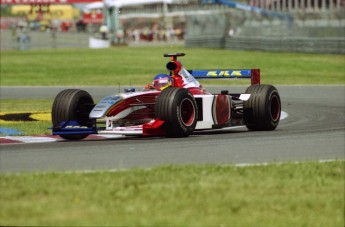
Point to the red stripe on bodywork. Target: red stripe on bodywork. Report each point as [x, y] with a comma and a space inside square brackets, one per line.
[125, 104]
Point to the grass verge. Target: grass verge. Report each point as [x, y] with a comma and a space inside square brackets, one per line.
[304, 194]
[138, 65]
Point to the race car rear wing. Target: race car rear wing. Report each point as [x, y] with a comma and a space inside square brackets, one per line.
[252, 74]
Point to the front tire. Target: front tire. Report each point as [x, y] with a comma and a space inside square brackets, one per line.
[72, 105]
[178, 108]
[262, 110]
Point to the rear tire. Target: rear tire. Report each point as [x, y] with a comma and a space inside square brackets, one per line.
[262, 110]
[178, 108]
[72, 105]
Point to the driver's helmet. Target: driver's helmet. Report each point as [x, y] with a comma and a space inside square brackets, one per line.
[162, 81]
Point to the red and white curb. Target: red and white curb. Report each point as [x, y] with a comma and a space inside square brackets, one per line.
[47, 139]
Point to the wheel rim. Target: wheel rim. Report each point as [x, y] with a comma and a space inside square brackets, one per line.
[187, 112]
[275, 108]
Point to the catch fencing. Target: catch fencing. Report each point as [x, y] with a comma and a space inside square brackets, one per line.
[25, 40]
[316, 27]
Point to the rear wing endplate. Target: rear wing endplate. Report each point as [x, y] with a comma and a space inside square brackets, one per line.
[252, 74]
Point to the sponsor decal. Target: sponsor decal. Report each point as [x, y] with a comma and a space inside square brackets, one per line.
[75, 126]
[224, 73]
[110, 100]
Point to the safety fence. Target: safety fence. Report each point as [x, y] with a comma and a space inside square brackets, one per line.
[42, 40]
[232, 29]
[331, 45]
[288, 44]
[35, 40]
[292, 6]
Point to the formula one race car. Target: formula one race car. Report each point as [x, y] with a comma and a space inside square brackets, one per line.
[175, 105]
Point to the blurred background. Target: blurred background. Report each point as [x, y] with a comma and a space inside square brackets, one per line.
[315, 26]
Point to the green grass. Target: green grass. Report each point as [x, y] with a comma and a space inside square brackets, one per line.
[24, 105]
[28, 128]
[308, 194]
[37, 128]
[138, 65]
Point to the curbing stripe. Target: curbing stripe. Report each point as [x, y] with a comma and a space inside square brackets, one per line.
[48, 139]
[26, 139]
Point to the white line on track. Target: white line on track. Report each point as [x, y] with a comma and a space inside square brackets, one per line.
[283, 115]
[281, 163]
[239, 165]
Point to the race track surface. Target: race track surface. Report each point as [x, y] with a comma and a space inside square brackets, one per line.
[313, 130]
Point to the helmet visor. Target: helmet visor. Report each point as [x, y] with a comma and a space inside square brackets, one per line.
[163, 82]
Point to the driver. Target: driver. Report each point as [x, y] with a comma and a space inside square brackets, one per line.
[160, 82]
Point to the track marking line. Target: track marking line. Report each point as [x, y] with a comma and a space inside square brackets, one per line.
[281, 163]
[283, 115]
[240, 165]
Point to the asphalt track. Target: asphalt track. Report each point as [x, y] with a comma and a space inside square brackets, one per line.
[314, 130]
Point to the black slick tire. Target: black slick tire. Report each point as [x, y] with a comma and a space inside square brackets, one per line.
[178, 108]
[73, 105]
[262, 110]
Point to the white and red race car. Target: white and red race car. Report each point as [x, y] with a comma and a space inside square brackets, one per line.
[176, 111]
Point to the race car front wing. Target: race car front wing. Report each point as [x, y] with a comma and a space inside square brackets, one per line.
[152, 128]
